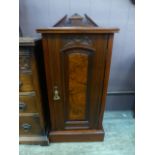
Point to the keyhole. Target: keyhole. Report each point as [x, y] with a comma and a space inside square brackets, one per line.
[56, 94]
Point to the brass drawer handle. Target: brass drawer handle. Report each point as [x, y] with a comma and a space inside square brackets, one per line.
[56, 94]
[27, 127]
[22, 106]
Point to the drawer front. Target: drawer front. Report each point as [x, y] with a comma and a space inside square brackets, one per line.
[28, 103]
[25, 59]
[30, 125]
[26, 82]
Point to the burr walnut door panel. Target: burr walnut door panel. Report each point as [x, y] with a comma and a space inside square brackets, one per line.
[75, 72]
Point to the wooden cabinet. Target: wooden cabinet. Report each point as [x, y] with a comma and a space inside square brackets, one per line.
[77, 57]
[31, 120]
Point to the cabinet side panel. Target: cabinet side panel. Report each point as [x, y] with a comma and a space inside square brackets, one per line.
[106, 77]
[100, 44]
[48, 79]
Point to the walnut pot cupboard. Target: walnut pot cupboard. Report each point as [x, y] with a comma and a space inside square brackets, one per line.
[77, 56]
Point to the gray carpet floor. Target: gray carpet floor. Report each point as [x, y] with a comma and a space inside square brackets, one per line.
[119, 140]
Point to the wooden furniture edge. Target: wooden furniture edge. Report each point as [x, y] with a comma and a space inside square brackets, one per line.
[26, 41]
[106, 78]
[77, 30]
[77, 135]
[90, 20]
[61, 20]
[42, 140]
[36, 83]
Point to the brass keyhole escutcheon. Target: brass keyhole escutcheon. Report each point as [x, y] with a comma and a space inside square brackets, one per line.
[56, 94]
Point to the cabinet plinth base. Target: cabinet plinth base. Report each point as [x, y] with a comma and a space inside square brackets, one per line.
[76, 136]
[41, 140]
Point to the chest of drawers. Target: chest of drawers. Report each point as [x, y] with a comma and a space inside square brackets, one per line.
[31, 120]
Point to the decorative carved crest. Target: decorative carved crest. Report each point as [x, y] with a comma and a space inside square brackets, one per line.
[76, 20]
[78, 39]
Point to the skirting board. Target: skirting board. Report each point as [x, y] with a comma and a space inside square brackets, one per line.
[120, 102]
[76, 136]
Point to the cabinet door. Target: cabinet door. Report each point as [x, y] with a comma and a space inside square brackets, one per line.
[75, 72]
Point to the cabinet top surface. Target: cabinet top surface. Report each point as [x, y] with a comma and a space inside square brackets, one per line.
[76, 24]
[78, 30]
[26, 41]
